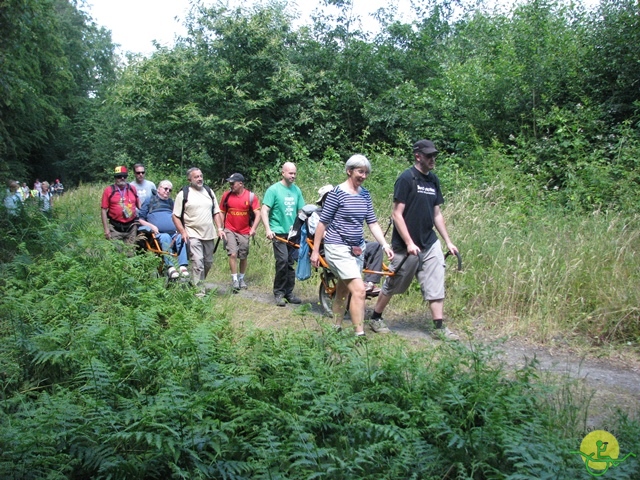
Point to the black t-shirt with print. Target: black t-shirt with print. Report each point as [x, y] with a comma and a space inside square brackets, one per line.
[420, 194]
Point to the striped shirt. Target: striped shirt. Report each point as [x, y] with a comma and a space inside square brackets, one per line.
[344, 215]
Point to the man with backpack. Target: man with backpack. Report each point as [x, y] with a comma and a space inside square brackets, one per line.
[195, 211]
[416, 211]
[241, 209]
[119, 208]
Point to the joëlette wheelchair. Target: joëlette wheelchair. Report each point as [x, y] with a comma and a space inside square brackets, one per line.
[147, 241]
[328, 280]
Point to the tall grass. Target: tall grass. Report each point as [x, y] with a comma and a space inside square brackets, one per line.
[105, 373]
[529, 269]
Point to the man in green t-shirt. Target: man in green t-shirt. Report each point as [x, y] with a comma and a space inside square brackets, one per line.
[280, 206]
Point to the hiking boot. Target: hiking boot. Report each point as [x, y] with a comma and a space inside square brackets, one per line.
[378, 326]
[445, 334]
[293, 299]
[243, 284]
[280, 301]
[236, 286]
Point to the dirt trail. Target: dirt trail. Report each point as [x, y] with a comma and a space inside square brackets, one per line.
[614, 383]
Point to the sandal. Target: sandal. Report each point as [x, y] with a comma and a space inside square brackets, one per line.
[172, 273]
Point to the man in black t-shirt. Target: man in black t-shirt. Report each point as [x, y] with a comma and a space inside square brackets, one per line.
[416, 211]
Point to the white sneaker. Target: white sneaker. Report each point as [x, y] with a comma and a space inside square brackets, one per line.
[446, 334]
[378, 326]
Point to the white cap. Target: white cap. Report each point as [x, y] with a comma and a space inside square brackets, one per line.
[322, 191]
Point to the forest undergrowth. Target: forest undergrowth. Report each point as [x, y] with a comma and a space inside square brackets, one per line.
[108, 374]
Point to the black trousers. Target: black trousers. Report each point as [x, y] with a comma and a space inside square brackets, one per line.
[286, 256]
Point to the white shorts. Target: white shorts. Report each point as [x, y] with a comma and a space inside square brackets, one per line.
[342, 263]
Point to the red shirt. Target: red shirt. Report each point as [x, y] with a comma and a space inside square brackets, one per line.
[120, 203]
[236, 209]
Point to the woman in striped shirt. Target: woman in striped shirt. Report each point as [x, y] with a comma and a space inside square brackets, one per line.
[344, 212]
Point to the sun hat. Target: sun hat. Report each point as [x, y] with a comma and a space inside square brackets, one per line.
[322, 191]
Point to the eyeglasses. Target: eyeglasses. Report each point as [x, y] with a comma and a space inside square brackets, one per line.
[167, 189]
[140, 173]
[120, 176]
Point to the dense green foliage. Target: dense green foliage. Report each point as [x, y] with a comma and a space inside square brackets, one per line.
[54, 62]
[108, 374]
[548, 84]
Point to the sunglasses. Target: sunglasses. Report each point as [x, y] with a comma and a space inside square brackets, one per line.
[120, 176]
[140, 173]
[167, 189]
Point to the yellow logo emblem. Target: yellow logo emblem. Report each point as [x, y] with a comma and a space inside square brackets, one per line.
[600, 451]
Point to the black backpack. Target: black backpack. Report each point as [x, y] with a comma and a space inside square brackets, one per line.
[252, 214]
[185, 196]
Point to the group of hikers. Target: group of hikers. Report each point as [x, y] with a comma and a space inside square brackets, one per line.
[192, 225]
[43, 192]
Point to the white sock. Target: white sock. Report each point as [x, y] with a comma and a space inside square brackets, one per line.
[234, 276]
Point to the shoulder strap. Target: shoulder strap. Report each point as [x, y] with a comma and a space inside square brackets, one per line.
[213, 202]
[185, 195]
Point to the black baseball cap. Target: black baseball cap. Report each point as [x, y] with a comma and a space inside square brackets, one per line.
[424, 146]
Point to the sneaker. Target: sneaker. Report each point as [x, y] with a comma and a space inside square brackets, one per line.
[184, 271]
[337, 328]
[371, 289]
[243, 284]
[280, 301]
[378, 326]
[201, 293]
[236, 286]
[445, 334]
[293, 299]
[172, 273]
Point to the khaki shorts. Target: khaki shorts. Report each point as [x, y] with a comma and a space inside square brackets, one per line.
[237, 244]
[428, 267]
[344, 265]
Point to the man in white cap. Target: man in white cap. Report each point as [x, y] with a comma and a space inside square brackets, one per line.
[241, 210]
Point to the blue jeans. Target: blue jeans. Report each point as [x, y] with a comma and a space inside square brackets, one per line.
[178, 247]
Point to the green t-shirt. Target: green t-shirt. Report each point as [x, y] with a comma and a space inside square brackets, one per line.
[284, 204]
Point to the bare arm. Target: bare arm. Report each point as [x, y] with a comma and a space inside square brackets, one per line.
[180, 227]
[218, 219]
[264, 213]
[319, 235]
[153, 228]
[438, 221]
[105, 223]
[256, 222]
[401, 227]
[376, 231]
